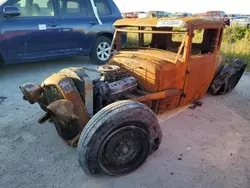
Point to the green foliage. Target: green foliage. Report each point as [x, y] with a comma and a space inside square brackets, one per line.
[234, 34]
[236, 44]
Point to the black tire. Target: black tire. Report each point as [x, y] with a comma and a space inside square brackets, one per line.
[93, 54]
[248, 26]
[228, 22]
[102, 132]
[228, 78]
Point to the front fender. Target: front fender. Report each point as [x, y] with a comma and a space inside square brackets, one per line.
[62, 111]
[65, 120]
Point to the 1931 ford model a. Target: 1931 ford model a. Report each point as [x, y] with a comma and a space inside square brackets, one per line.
[113, 117]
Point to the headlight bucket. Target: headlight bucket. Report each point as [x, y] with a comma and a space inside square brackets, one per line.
[31, 92]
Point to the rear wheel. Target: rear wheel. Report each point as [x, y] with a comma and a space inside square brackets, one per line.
[101, 50]
[228, 78]
[118, 139]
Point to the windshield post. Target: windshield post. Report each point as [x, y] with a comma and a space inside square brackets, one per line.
[113, 41]
[181, 48]
[116, 44]
[141, 37]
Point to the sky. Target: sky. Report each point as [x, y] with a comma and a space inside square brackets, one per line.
[192, 6]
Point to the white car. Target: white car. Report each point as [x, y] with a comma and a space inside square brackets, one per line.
[142, 15]
[242, 21]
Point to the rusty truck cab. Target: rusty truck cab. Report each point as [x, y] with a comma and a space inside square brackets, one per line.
[167, 53]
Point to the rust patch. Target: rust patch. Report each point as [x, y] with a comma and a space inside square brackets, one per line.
[63, 111]
[158, 95]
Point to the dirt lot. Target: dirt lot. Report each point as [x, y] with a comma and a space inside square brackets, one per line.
[202, 148]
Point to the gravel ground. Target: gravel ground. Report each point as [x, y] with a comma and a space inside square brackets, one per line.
[202, 148]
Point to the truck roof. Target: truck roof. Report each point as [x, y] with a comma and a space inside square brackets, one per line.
[187, 22]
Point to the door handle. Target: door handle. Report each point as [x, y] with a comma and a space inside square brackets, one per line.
[52, 24]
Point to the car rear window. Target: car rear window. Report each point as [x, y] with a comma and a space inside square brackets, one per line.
[102, 7]
[73, 8]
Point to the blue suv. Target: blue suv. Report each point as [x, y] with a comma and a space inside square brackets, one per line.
[34, 30]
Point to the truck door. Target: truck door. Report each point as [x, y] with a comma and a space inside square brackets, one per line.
[201, 64]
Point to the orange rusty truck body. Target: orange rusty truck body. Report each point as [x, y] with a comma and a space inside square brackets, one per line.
[185, 67]
[165, 63]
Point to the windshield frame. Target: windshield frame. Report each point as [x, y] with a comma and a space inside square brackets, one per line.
[117, 40]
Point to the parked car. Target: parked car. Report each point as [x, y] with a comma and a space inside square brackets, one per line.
[131, 15]
[242, 21]
[220, 15]
[158, 14]
[181, 14]
[33, 30]
[232, 17]
[142, 14]
[197, 14]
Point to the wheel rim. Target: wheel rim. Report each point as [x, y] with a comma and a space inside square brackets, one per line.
[103, 51]
[124, 150]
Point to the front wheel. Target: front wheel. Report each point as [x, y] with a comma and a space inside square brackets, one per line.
[101, 50]
[118, 139]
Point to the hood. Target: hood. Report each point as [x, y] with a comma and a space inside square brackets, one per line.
[153, 55]
[147, 67]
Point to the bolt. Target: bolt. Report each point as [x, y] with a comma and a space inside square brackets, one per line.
[125, 150]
